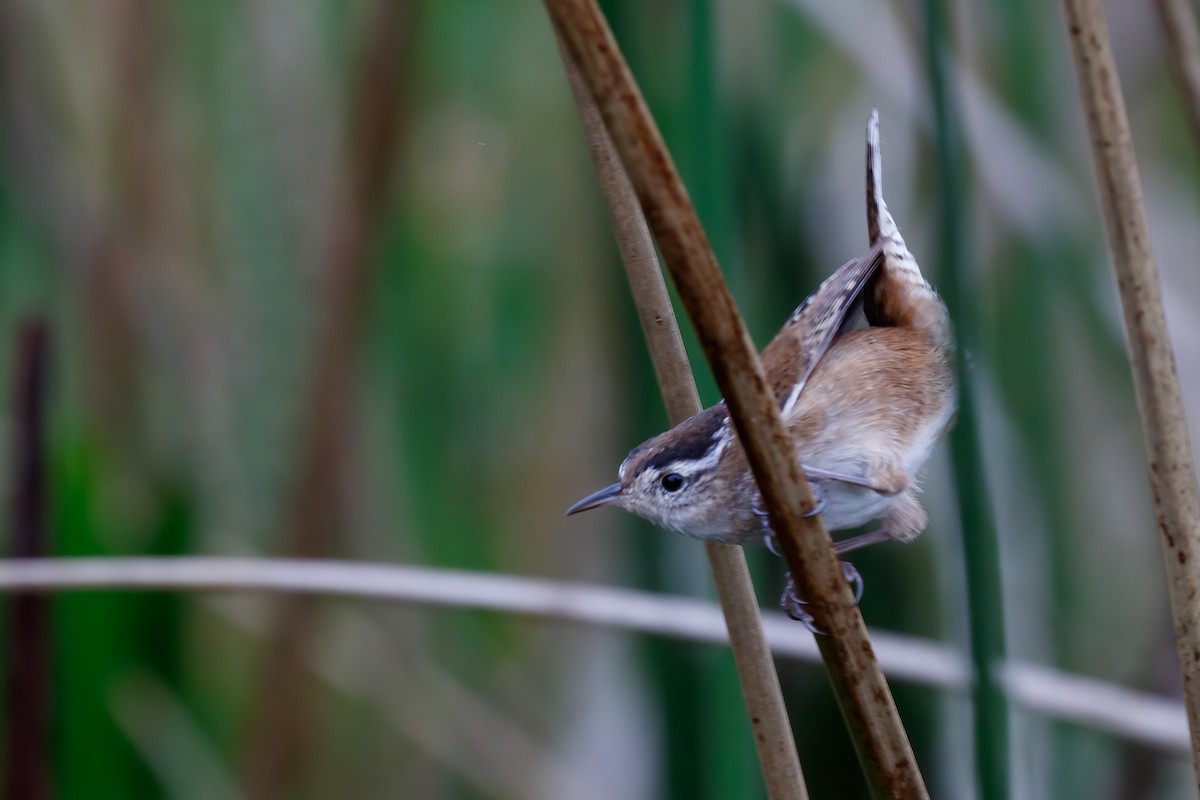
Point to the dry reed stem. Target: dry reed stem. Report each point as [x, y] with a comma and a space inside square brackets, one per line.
[862, 693]
[1160, 400]
[1143, 718]
[116, 254]
[1183, 54]
[756, 670]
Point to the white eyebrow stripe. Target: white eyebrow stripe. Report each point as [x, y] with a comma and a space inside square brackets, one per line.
[713, 456]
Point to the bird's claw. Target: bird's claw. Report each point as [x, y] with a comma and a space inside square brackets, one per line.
[765, 519]
[793, 605]
[854, 578]
[818, 501]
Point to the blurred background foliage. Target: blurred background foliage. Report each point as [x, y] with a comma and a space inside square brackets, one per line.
[332, 277]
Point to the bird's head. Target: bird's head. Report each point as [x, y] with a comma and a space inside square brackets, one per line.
[674, 479]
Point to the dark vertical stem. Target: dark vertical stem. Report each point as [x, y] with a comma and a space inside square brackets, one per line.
[28, 646]
[279, 726]
[980, 547]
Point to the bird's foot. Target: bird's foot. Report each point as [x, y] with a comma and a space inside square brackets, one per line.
[793, 605]
[855, 579]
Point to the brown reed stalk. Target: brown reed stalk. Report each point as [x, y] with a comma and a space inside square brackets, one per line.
[1156, 383]
[1180, 29]
[862, 693]
[115, 253]
[731, 575]
[279, 726]
[28, 679]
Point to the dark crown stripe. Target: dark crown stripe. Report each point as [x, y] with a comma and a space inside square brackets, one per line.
[696, 437]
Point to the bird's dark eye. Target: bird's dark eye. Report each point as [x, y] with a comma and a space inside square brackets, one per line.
[672, 481]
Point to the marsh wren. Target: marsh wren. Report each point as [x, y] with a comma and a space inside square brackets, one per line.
[863, 405]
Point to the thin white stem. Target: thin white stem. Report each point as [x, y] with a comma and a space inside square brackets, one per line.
[1155, 721]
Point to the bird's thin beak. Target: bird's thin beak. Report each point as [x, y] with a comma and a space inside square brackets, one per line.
[600, 498]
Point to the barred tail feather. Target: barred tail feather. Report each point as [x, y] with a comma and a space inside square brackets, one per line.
[898, 295]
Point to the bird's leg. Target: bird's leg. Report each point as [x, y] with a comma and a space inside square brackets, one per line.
[791, 602]
[861, 541]
[887, 480]
[903, 522]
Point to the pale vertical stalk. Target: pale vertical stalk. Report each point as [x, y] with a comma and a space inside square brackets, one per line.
[1156, 383]
[1183, 54]
[756, 669]
[862, 693]
[281, 719]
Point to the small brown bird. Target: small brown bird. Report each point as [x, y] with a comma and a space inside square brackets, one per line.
[865, 407]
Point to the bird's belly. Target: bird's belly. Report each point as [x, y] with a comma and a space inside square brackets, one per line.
[846, 506]
[849, 506]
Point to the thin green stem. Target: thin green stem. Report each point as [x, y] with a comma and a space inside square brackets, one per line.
[980, 549]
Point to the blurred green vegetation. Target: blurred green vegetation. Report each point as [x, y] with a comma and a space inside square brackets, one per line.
[172, 181]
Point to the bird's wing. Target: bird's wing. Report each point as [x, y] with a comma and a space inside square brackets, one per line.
[791, 356]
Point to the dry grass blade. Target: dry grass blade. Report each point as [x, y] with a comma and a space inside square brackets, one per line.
[1160, 400]
[170, 740]
[861, 690]
[756, 670]
[1183, 54]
